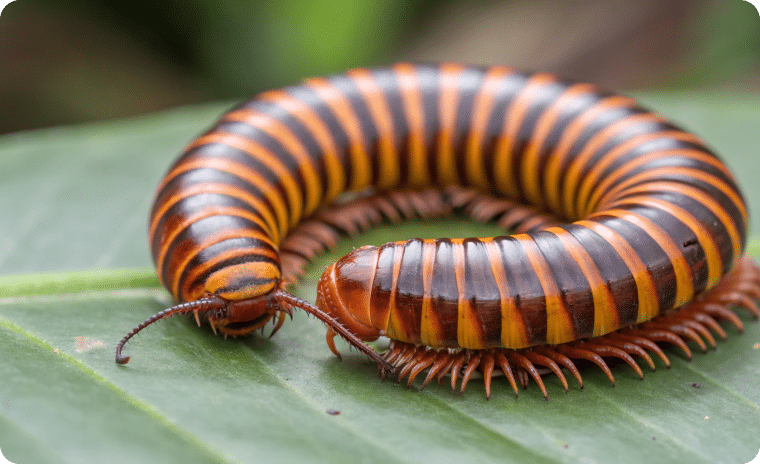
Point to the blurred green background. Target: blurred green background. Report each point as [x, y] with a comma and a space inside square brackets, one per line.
[82, 60]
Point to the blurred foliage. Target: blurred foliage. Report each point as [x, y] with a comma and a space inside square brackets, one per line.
[729, 46]
[239, 45]
[81, 60]
[87, 59]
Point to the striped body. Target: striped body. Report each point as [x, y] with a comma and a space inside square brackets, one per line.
[658, 217]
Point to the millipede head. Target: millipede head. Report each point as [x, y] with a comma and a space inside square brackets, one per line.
[243, 316]
[238, 317]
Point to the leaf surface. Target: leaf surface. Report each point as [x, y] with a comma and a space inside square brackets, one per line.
[77, 277]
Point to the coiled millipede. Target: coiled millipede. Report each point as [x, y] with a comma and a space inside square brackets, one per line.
[636, 237]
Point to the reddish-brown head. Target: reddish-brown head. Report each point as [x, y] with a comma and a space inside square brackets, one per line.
[238, 317]
[244, 316]
[228, 316]
[344, 289]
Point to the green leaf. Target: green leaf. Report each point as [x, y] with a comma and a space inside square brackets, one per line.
[78, 277]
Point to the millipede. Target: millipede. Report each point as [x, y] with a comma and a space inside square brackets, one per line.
[628, 232]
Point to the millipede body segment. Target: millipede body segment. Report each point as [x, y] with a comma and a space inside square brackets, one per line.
[645, 220]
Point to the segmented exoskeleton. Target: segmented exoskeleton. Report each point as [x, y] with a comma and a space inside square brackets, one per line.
[647, 219]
